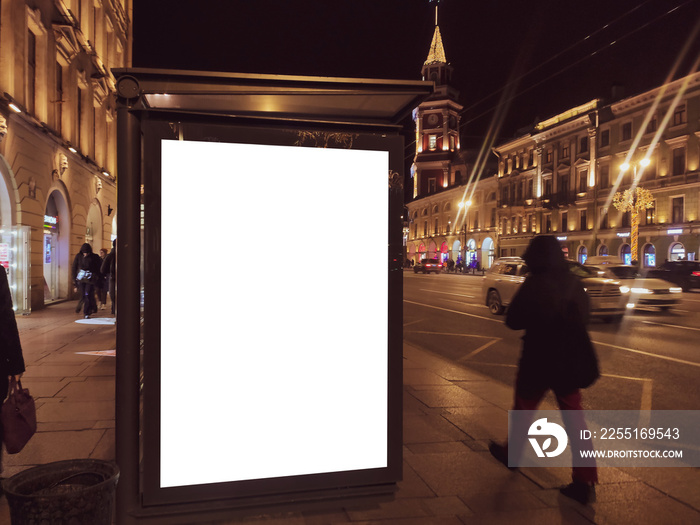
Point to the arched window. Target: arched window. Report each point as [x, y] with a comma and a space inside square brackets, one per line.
[602, 250]
[582, 254]
[649, 260]
[626, 254]
[676, 252]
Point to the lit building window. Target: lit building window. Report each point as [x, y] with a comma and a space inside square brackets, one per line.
[432, 142]
[679, 116]
[627, 131]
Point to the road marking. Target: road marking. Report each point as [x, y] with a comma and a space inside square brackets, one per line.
[645, 403]
[454, 311]
[448, 333]
[683, 361]
[672, 325]
[448, 293]
[476, 305]
[481, 348]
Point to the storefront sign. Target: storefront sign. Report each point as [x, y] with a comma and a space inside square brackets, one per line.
[675, 231]
[50, 222]
[623, 234]
[5, 255]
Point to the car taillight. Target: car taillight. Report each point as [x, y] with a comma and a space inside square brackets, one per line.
[696, 274]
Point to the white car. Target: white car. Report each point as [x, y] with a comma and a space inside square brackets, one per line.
[643, 291]
[502, 280]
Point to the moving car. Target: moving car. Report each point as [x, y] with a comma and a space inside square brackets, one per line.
[502, 280]
[643, 291]
[428, 265]
[685, 274]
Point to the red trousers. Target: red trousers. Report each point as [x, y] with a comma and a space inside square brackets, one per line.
[574, 422]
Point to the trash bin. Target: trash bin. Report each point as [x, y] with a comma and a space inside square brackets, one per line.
[73, 492]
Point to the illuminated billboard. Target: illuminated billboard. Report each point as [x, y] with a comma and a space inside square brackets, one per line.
[269, 301]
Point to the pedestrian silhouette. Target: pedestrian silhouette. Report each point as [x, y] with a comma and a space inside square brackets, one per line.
[11, 359]
[553, 309]
[86, 277]
[109, 267]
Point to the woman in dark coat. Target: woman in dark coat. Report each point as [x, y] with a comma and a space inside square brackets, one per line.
[551, 306]
[90, 263]
[11, 359]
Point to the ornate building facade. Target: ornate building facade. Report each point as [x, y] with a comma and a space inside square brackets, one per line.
[58, 129]
[453, 211]
[563, 178]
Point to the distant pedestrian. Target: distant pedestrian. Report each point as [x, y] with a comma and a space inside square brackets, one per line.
[109, 268]
[87, 275]
[74, 277]
[11, 359]
[553, 308]
[102, 283]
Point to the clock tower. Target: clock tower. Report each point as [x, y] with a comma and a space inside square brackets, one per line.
[437, 163]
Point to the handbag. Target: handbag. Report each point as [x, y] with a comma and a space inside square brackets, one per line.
[579, 362]
[84, 276]
[18, 417]
[584, 362]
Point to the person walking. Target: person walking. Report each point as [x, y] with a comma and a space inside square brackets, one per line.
[102, 284]
[553, 309]
[109, 267]
[86, 277]
[74, 276]
[11, 358]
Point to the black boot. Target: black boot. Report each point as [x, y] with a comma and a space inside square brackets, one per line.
[580, 491]
[500, 452]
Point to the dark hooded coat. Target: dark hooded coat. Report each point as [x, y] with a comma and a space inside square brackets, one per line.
[90, 262]
[551, 306]
[11, 360]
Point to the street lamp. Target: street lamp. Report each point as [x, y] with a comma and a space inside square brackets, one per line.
[635, 201]
[465, 206]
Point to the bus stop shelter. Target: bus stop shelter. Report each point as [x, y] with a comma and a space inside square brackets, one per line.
[238, 392]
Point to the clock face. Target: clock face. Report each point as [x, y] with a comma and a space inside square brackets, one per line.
[432, 119]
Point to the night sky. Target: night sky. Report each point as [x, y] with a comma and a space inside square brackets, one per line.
[542, 57]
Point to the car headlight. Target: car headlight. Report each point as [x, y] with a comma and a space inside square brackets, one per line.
[624, 289]
[675, 290]
[641, 290]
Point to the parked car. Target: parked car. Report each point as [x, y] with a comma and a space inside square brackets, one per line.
[643, 291]
[502, 280]
[685, 274]
[428, 265]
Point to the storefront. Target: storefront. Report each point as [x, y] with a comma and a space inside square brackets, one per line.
[488, 253]
[14, 244]
[56, 255]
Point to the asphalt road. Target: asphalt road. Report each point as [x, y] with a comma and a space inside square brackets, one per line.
[651, 361]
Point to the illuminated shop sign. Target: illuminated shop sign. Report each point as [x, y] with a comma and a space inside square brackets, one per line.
[674, 231]
[623, 234]
[50, 222]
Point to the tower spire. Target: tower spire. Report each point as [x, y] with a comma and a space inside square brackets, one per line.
[437, 3]
[436, 54]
